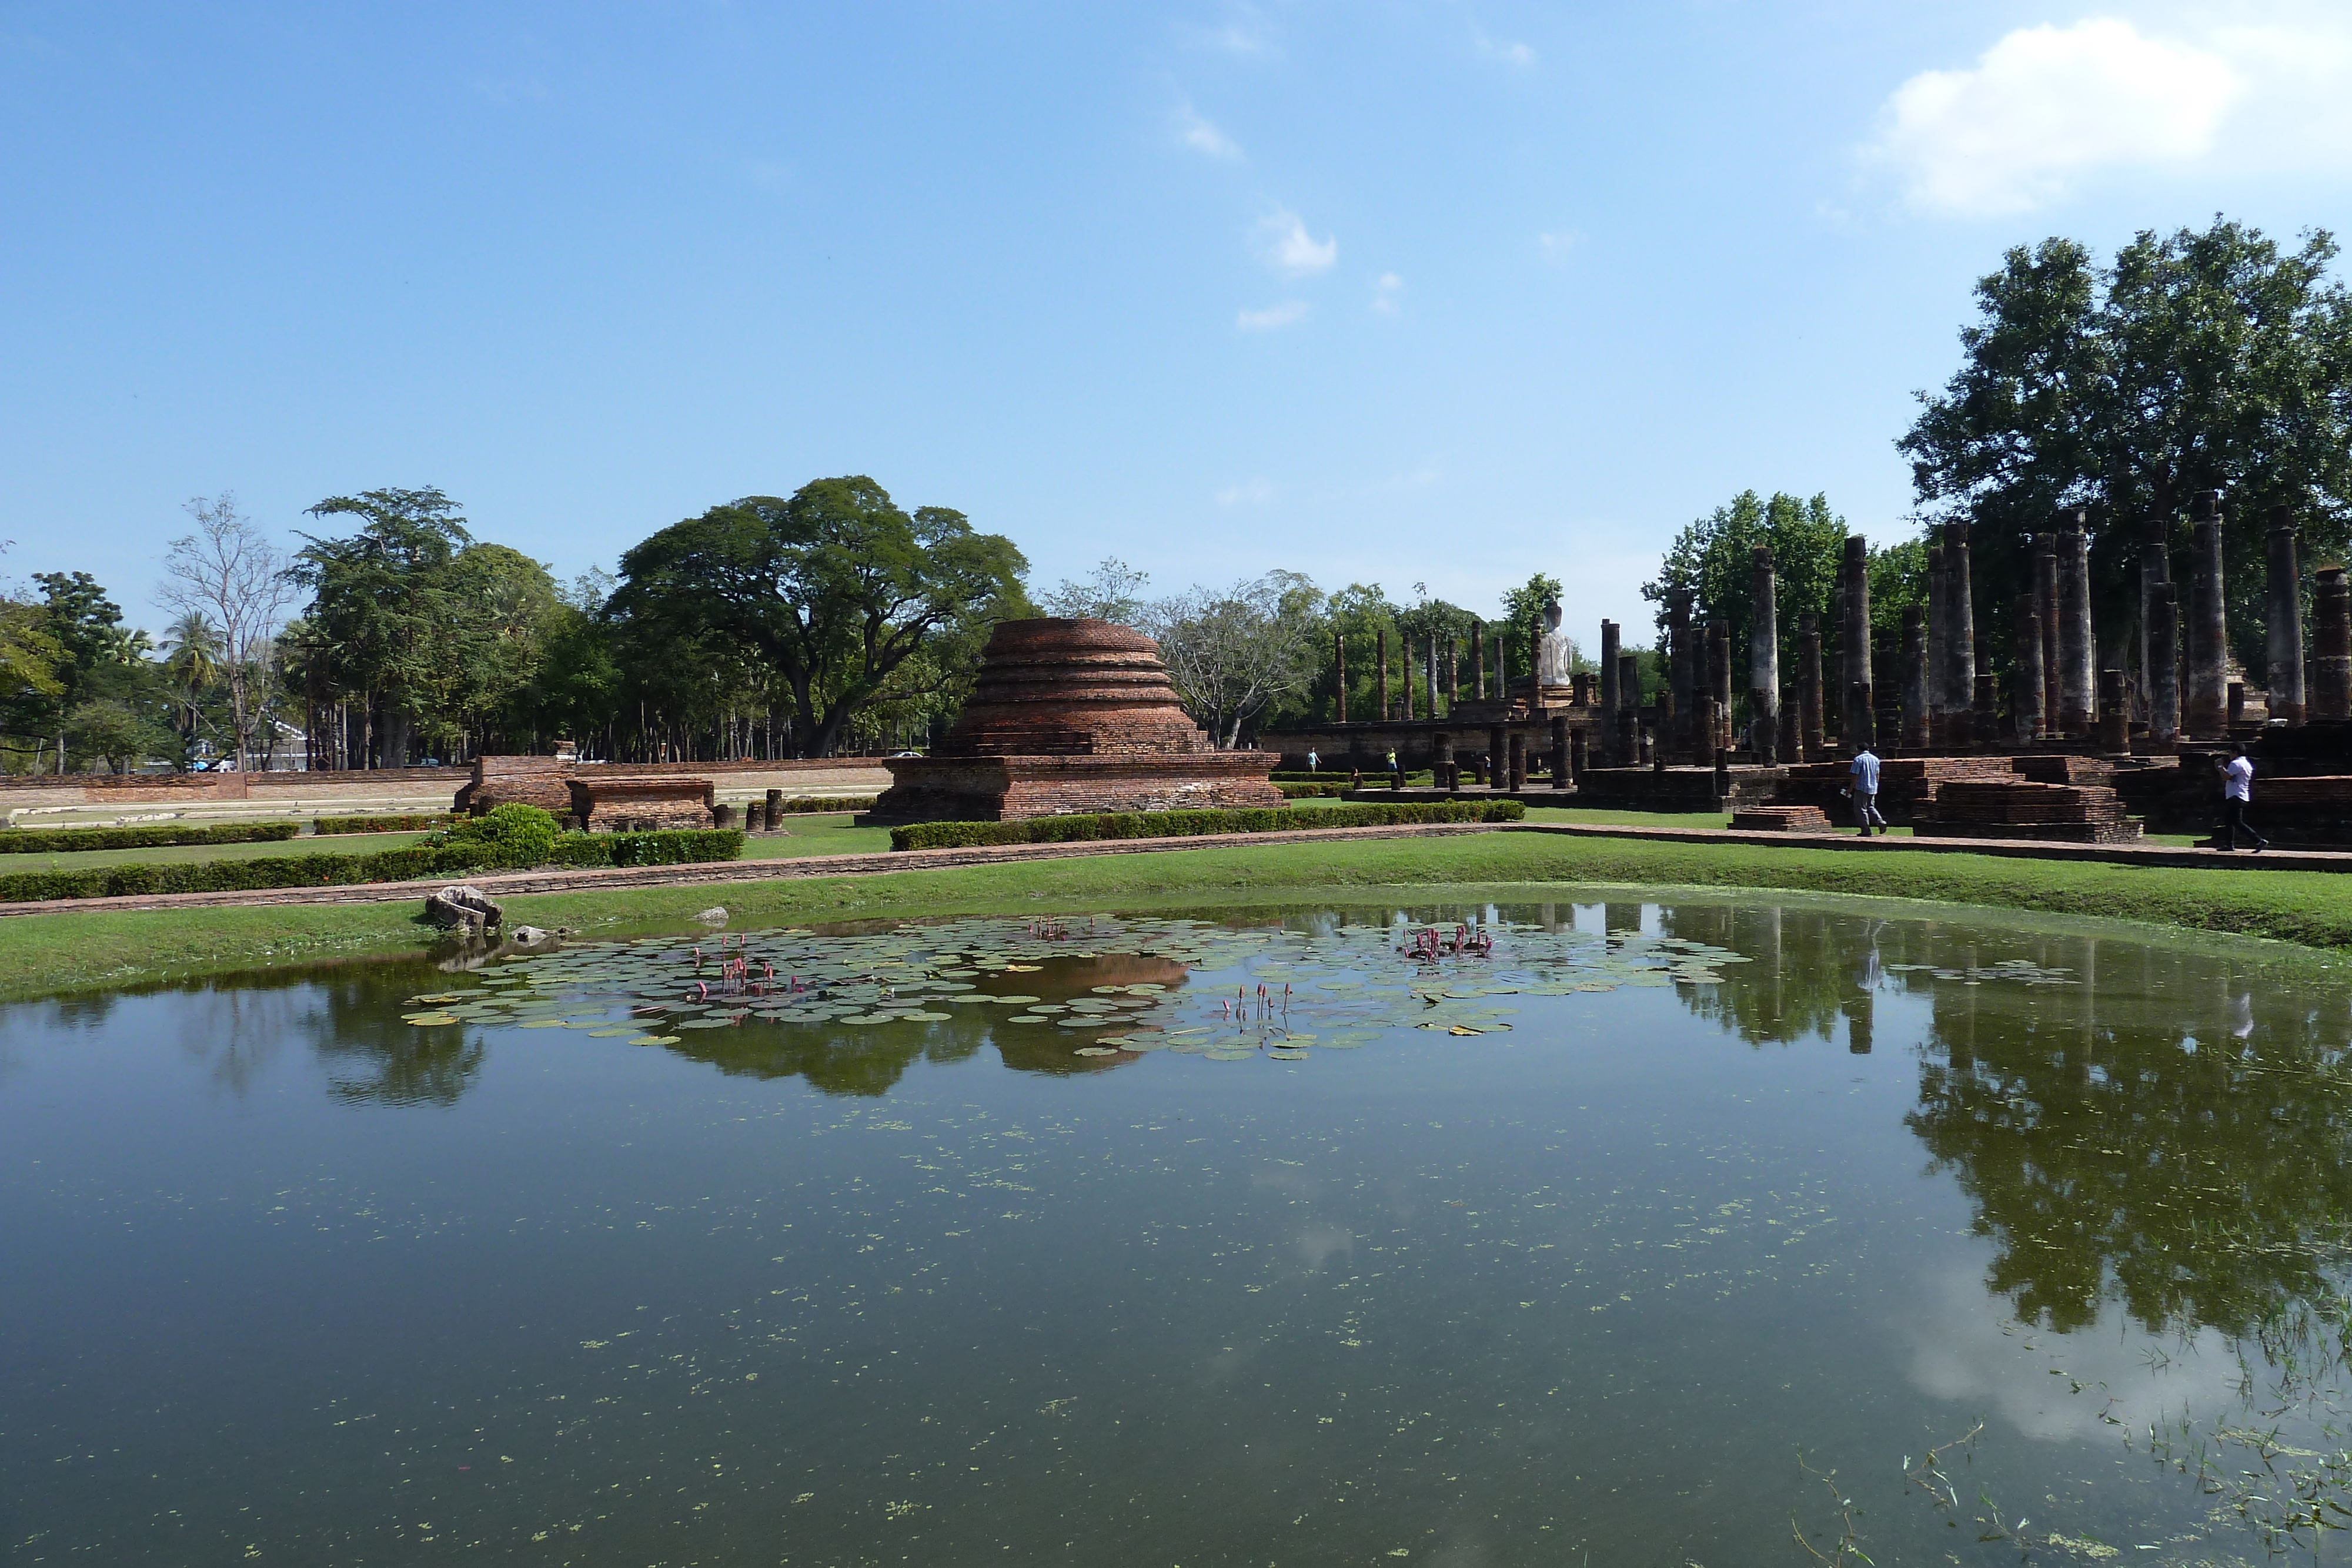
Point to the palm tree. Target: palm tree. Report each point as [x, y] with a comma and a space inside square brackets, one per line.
[192, 657]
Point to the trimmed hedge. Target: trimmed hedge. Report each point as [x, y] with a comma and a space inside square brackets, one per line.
[1313, 791]
[329, 827]
[1373, 773]
[804, 803]
[678, 847]
[1190, 824]
[60, 841]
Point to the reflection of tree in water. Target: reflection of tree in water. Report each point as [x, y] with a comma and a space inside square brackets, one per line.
[1811, 967]
[870, 1059]
[2169, 1133]
[375, 1056]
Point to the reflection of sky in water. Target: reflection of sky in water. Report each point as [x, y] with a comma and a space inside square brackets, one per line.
[310, 1279]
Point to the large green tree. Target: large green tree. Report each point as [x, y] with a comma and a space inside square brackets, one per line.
[1713, 559]
[850, 600]
[2201, 360]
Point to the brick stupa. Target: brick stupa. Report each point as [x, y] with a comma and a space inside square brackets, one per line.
[1071, 715]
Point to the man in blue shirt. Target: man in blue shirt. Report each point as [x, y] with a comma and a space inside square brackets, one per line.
[1866, 791]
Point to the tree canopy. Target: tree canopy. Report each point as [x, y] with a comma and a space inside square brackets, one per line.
[2200, 359]
[852, 601]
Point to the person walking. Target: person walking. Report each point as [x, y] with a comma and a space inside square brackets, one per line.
[1396, 774]
[2237, 794]
[1314, 763]
[1866, 791]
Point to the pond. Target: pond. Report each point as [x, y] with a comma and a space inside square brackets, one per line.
[1721, 1232]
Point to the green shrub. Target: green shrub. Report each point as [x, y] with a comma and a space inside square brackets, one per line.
[1324, 792]
[326, 827]
[1188, 825]
[462, 858]
[511, 835]
[61, 840]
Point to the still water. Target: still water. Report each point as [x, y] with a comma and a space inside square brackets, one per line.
[1705, 1232]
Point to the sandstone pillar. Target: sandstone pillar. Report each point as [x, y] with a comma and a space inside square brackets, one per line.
[1809, 686]
[1576, 760]
[1380, 653]
[2283, 620]
[1856, 727]
[2206, 713]
[1763, 657]
[2164, 666]
[1441, 771]
[1503, 666]
[1517, 744]
[2077, 652]
[1478, 659]
[1339, 663]
[1498, 755]
[2026, 689]
[1706, 724]
[1915, 677]
[2045, 603]
[1562, 771]
[2330, 676]
[1433, 675]
[1939, 638]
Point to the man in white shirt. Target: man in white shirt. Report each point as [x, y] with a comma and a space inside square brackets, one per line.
[2237, 793]
[1866, 791]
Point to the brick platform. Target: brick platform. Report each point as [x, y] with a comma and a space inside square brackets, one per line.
[636, 803]
[2023, 809]
[1781, 820]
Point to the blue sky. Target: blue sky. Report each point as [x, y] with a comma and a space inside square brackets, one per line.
[1397, 293]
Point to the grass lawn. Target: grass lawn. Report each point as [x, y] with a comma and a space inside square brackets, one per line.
[818, 833]
[44, 953]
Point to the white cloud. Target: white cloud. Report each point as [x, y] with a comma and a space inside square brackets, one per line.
[1385, 292]
[1244, 33]
[1502, 49]
[1256, 492]
[1556, 246]
[1204, 137]
[1272, 317]
[2045, 104]
[1288, 248]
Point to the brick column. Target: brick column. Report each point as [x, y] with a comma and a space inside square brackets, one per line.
[1498, 758]
[2114, 713]
[1441, 771]
[1478, 659]
[2155, 567]
[1611, 688]
[2045, 603]
[1960, 653]
[2164, 666]
[2076, 651]
[2330, 676]
[1809, 686]
[1562, 773]
[1517, 744]
[1763, 656]
[1857, 726]
[2283, 620]
[1339, 661]
[1576, 761]
[1380, 652]
[1792, 744]
[1939, 637]
[2206, 713]
[1916, 707]
[2027, 687]
[1718, 686]
[1682, 672]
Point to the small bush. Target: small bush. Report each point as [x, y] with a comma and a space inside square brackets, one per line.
[511, 835]
[1190, 824]
[1324, 792]
[326, 827]
[63, 840]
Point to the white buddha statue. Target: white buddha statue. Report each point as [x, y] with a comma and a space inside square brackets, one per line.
[1554, 653]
